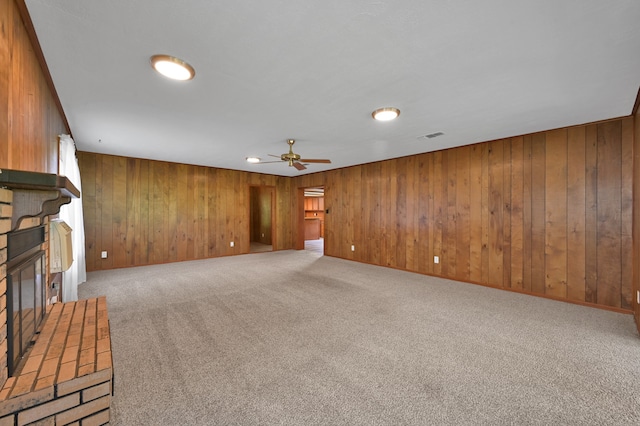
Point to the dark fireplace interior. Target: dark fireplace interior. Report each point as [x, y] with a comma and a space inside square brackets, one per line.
[26, 291]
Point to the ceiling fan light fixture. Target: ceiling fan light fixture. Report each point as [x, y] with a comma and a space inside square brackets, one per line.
[385, 114]
[172, 67]
[253, 160]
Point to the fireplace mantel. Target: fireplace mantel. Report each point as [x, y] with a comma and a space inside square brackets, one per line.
[19, 179]
[36, 195]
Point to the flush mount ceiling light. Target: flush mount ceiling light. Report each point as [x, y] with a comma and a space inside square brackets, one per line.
[385, 114]
[253, 160]
[173, 68]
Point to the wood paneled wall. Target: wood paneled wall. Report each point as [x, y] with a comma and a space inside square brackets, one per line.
[29, 118]
[149, 212]
[547, 213]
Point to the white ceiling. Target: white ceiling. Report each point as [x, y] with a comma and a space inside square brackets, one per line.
[314, 71]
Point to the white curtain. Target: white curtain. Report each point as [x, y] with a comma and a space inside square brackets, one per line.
[72, 214]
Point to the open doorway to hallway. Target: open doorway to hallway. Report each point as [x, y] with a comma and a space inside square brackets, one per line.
[314, 223]
[261, 218]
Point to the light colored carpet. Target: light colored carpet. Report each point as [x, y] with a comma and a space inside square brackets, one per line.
[293, 338]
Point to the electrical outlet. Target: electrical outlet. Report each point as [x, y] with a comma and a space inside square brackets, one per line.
[263, 235]
[103, 254]
[436, 259]
[231, 244]
[638, 296]
[353, 248]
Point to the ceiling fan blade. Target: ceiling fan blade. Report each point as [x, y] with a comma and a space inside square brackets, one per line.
[306, 160]
[299, 166]
[268, 162]
[271, 155]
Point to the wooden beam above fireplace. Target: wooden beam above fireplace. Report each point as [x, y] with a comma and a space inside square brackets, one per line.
[36, 195]
[19, 179]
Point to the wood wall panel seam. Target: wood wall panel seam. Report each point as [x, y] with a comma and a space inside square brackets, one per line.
[626, 222]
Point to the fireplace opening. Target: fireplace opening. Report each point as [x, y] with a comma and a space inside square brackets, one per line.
[26, 291]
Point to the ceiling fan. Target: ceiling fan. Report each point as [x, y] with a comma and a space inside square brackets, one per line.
[294, 159]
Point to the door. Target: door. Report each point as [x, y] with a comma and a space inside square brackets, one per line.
[261, 218]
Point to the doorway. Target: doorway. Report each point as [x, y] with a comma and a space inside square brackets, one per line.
[313, 213]
[261, 218]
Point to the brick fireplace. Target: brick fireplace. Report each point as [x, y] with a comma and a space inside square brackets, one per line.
[60, 369]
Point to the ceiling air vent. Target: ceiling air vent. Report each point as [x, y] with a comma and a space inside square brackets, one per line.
[432, 135]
